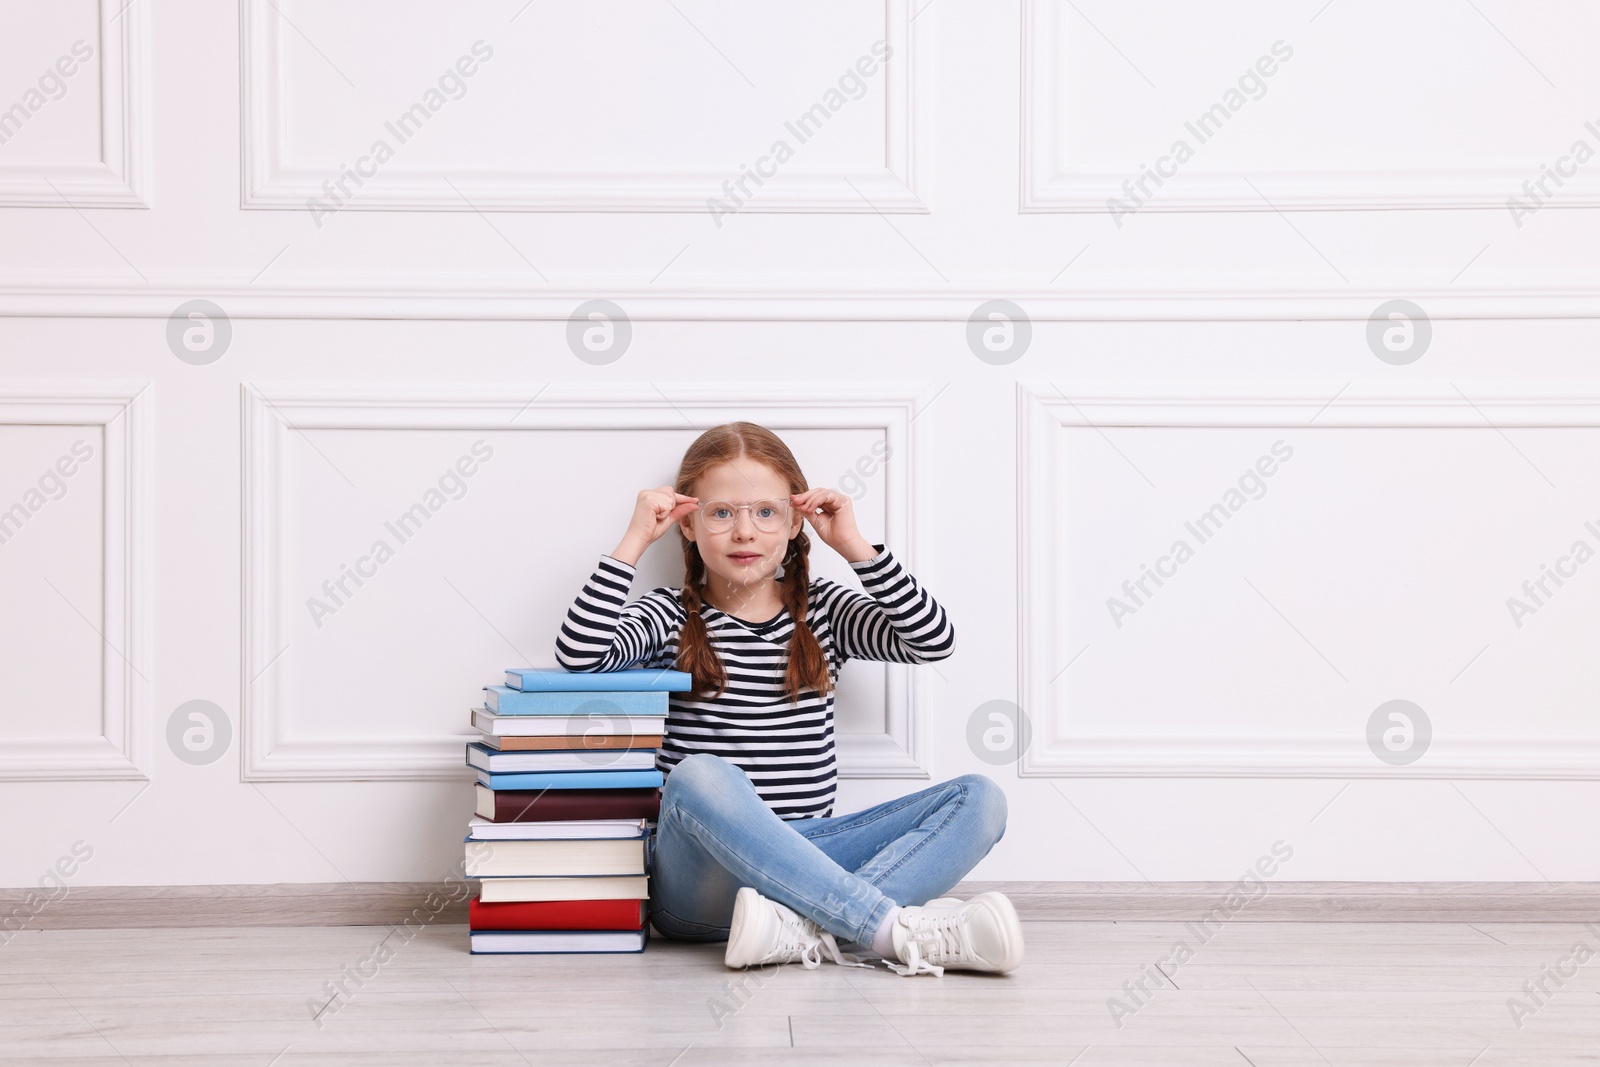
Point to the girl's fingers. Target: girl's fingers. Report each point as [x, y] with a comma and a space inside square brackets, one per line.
[811, 499]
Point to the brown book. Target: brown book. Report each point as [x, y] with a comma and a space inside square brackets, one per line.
[536, 805]
[566, 742]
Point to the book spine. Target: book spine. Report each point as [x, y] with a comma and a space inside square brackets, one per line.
[551, 806]
[618, 914]
[560, 761]
[594, 707]
[576, 780]
[486, 721]
[635, 680]
[511, 890]
[565, 742]
[530, 942]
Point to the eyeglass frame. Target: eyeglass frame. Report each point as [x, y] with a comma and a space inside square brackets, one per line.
[736, 508]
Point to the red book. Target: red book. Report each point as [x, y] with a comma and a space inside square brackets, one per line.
[557, 915]
[540, 805]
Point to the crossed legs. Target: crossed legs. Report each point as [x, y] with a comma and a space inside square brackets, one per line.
[715, 834]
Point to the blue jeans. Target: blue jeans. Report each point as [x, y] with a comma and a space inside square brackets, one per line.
[715, 834]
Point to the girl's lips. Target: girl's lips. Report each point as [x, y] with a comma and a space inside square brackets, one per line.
[744, 557]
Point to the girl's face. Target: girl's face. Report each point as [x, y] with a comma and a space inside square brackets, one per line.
[743, 554]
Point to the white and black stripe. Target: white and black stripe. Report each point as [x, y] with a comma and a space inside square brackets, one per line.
[786, 747]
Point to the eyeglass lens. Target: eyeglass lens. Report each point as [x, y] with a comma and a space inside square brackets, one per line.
[768, 515]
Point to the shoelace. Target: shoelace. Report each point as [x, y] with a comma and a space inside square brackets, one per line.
[932, 938]
[803, 938]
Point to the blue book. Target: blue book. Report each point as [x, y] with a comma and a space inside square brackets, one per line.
[651, 779]
[635, 680]
[503, 700]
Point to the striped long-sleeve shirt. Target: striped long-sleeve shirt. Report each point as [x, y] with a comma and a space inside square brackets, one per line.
[786, 747]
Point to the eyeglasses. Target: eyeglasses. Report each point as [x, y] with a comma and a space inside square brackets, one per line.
[770, 516]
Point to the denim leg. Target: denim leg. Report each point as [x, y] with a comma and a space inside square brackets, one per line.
[916, 847]
[715, 834]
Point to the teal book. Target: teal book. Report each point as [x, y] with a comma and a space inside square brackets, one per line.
[632, 680]
[651, 779]
[503, 700]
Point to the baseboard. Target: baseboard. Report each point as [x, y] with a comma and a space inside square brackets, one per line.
[279, 904]
[391, 903]
[1286, 901]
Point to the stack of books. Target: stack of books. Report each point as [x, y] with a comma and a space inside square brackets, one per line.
[568, 793]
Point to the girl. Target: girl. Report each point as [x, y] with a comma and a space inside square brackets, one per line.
[746, 846]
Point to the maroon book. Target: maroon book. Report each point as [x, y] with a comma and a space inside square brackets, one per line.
[535, 805]
[557, 915]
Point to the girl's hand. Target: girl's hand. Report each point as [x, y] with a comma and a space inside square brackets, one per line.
[654, 512]
[832, 515]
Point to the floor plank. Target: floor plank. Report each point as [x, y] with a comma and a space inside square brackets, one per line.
[1253, 994]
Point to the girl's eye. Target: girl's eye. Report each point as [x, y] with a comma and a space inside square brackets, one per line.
[768, 511]
[720, 513]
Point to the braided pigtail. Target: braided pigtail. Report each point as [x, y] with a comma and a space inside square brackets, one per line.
[695, 654]
[808, 666]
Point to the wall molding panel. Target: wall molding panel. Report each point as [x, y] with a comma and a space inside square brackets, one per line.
[122, 176]
[1043, 412]
[271, 183]
[122, 751]
[353, 295]
[271, 412]
[1045, 188]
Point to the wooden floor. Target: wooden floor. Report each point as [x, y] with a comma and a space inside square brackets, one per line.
[1263, 994]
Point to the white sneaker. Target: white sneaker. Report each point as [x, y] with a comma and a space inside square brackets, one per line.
[981, 934]
[765, 931]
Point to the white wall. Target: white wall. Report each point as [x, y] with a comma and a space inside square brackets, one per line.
[372, 343]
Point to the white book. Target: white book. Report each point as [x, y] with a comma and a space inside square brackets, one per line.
[600, 887]
[564, 725]
[592, 759]
[481, 829]
[559, 940]
[542, 859]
